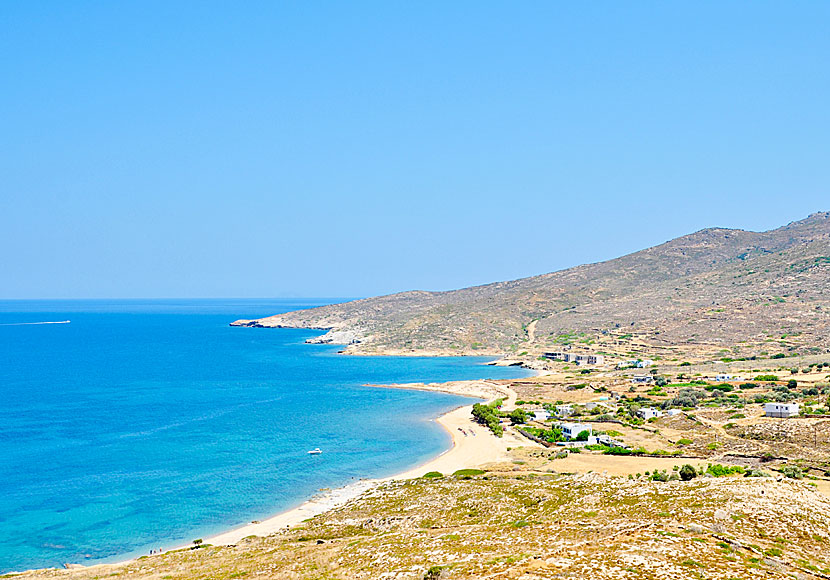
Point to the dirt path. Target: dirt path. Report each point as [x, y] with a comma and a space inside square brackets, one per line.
[531, 331]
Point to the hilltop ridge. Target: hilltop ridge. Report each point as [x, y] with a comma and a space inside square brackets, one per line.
[704, 292]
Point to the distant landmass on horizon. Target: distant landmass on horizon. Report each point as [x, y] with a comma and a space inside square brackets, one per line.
[753, 293]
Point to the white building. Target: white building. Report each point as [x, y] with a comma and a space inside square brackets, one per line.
[540, 415]
[783, 410]
[588, 359]
[580, 359]
[571, 430]
[564, 410]
[722, 378]
[673, 412]
[649, 413]
[641, 379]
[645, 363]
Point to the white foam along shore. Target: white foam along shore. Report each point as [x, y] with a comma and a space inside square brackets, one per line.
[473, 445]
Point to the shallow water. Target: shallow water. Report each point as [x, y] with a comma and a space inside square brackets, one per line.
[146, 424]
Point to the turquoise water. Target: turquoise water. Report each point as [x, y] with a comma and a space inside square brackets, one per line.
[146, 424]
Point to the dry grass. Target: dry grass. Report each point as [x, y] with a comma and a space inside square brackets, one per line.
[527, 526]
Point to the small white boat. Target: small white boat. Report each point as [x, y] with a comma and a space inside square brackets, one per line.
[315, 451]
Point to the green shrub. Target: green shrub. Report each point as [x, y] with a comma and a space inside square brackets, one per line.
[518, 416]
[755, 473]
[723, 387]
[433, 475]
[618, 451]
[792, 472]
[718, 470]
[688, 472]
[469, 472]
[766, 378]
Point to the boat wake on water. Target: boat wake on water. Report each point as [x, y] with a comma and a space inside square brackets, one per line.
[31, 323]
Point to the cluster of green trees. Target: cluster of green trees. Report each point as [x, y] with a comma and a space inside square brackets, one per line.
[518, 416]
[685, 398]
[488, 415]
[723, 387]
[552, 435]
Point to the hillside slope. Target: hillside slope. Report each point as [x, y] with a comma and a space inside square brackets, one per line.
[711, 290]
[528, 527]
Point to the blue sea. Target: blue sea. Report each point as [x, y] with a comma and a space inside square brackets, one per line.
[145, 424]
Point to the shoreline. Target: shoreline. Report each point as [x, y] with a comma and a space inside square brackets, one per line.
[471, 445]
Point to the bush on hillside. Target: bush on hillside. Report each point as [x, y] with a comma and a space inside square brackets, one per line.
[687, 472]
[792, 472]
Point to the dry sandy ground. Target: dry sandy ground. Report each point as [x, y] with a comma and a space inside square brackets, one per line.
[619, 465]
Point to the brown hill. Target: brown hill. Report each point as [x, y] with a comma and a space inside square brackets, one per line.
[719, 290]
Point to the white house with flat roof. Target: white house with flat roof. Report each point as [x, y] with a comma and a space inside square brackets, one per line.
[564, 410]
[784, 410]
[649, 413]
[580, 359]
[571, 430]
[540, 415]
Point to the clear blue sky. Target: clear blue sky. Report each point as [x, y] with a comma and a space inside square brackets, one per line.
[200, 149]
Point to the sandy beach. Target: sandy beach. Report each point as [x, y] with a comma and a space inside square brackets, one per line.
[472, 446]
